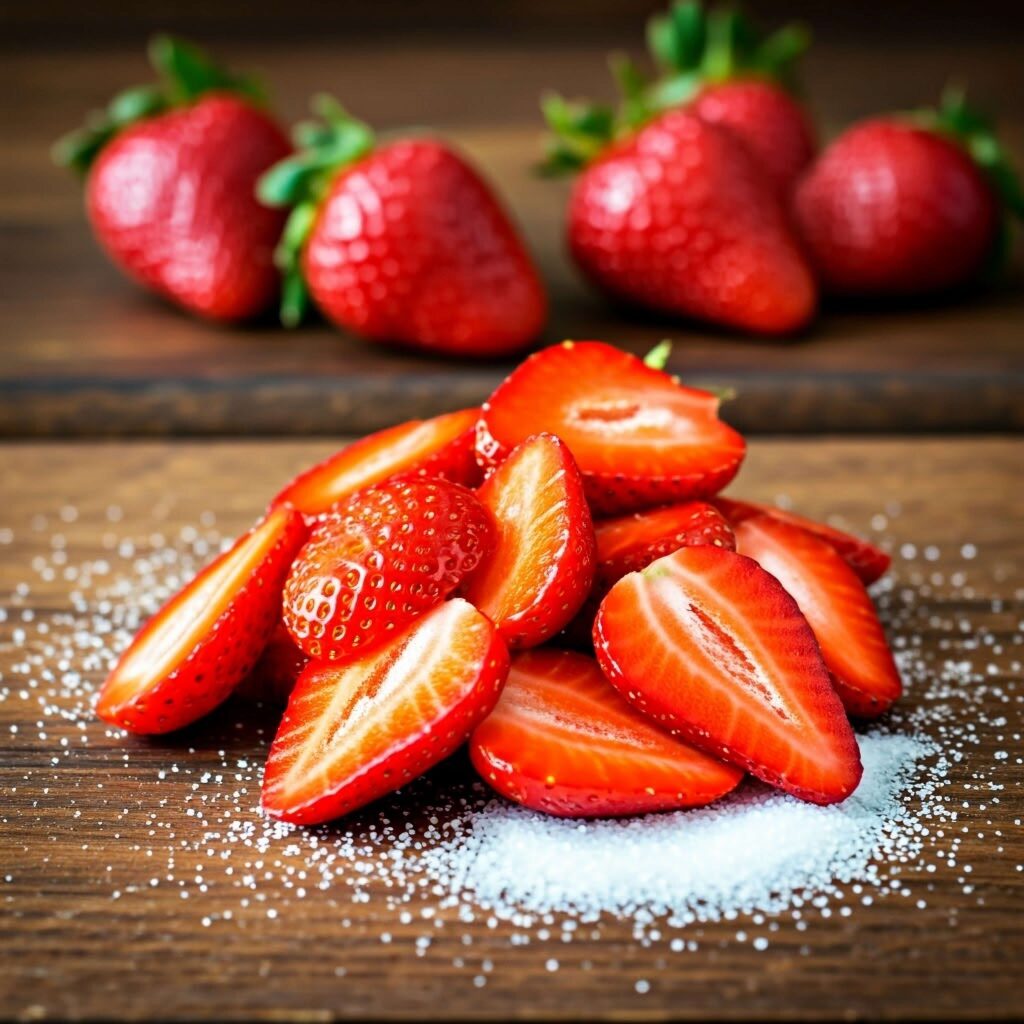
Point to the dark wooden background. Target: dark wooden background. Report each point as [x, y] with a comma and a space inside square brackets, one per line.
[82, 352]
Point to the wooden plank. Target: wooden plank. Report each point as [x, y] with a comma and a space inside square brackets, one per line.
[96, 815]
[86, 354]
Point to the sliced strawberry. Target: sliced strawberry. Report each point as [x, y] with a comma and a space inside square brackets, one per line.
[639, 437]
[190, 655]
[561, 740]
[630, 543]
[280, 664]
[353, 733]
[381, 558]
[836, 606]
[440, 447]
[711, 646]
[542, 567]
[867, 561]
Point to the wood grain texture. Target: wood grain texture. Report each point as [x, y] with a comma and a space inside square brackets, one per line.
[85, 353]
[77, 820]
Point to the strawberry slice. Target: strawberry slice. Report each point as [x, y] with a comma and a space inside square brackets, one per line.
[190, 655]
[630, 543]
[867, 561]
[351, 734]
[383, 557]
[561, 740]
[638, 436]
[280, 664]
[711, 646]
[542, 567]
[440, 447]
[836, 606]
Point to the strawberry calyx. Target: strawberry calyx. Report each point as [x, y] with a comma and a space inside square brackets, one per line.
[691, 47]
[301, 181]
[975, 132]
[185, 74]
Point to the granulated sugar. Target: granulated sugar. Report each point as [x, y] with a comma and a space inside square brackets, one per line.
[753, 851]
[447, 860]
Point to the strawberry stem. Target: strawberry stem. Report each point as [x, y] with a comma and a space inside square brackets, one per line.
[301, 181]
[186, 73]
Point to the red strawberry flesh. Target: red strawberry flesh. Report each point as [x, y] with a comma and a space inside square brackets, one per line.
[837, 607]
[353, 733]
[563, 741]
[438, 447]
[190, 655]
[710, 646]
[639, 438]
[866, 560]
[542, 566]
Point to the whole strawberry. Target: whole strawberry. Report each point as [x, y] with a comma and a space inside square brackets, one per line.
[731, 75]
[907, 205]
[678, 217]
[401, 242]
[171, 173]
[383, 557]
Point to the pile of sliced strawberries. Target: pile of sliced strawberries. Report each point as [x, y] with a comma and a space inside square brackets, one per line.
[420, 589]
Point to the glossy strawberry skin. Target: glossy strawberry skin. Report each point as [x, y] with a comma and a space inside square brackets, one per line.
[442, 447]
[836, 606]
[893, 209]
[383, 557]
[563, 741]
[712, 648]
[192, 681]
[411, 246]
[867, 561]
[171, 199]
[772, 125]
[353, 733]
[679, 218]
[541, 567]
[638, 436]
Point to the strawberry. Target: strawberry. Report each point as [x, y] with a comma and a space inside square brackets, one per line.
[194, 651]
[731, 75]
[711, 647]
[402, 243]
[908, 205]
[383, 557]
[638, 436]
[438, 447]
[542, 565]
[681, 201]
[170, 189]
[352, 733]
[866, 560]
[630, 543]
[836, 606]
[561, 740]
[280, 664]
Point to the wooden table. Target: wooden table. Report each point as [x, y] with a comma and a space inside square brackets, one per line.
[86, 814]
[84, 353]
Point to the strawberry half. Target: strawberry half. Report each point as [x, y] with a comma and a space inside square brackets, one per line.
[542, 566]
[866, 560]
[711, 647]
[836, 606]
[561, 740]
[353, 733]
[383, 557]
[190, 655]
[630, 543]
[638, 436]
[438, 447]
